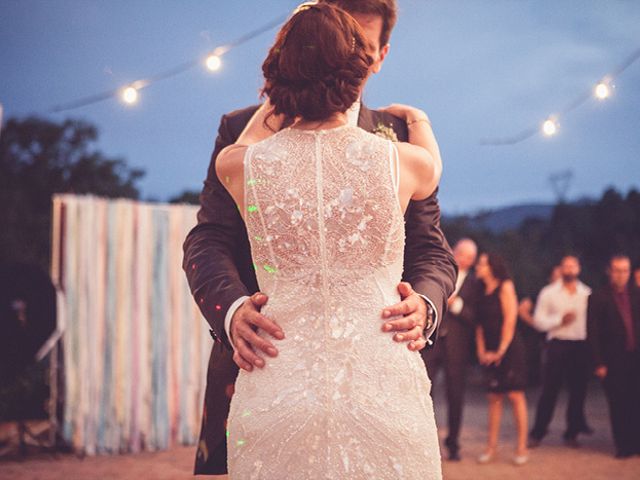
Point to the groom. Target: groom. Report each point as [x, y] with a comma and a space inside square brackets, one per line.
[218, 265]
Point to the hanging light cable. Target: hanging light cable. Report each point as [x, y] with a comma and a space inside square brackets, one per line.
[602, 90]
[130, 93]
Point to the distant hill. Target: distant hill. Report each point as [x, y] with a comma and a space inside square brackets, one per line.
[507, 218]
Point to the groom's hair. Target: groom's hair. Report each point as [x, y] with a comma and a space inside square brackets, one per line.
[386, 9]
[317, 64]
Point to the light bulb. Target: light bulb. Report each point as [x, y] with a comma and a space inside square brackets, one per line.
[214, 62]
[130, 95]
[602, 91]
[549, 127]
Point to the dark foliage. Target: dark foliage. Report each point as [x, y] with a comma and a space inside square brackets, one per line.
[593, 230]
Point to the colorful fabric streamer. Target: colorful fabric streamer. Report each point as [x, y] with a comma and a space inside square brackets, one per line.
[135, 345]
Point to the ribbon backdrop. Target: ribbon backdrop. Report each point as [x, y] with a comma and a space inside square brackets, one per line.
[135, 344]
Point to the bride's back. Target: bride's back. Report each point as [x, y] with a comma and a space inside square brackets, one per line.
[327, 238]
[322, 213]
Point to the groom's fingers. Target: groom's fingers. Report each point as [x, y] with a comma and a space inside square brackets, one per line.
[401, 308]
[410, 303]
[240, 362]
[268, 325]
[415, 319]
[409, 335]
[417, 344]
[257, 342]
[259, 299]
[246, 353]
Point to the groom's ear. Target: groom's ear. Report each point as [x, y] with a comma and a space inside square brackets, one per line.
[377, 65]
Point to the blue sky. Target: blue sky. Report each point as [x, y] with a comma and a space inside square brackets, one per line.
[479, 68]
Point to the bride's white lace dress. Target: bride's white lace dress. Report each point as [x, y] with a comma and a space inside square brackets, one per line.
[342, 400]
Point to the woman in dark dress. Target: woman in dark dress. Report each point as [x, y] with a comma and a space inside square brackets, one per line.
[501, 351]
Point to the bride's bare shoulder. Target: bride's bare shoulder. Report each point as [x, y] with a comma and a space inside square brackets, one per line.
[229, 161]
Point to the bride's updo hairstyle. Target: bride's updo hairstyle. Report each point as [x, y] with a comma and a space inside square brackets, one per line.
[317, 64]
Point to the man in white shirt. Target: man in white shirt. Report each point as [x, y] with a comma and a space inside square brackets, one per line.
[561, 312]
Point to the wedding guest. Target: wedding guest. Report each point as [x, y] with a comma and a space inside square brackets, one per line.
[501, 351]
[455, 340]
[561, 311]
[614, 336]
[533, 339]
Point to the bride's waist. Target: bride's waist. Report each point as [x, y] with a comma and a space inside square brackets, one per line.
[330, 281]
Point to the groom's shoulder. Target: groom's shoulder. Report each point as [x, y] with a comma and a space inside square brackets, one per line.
[242, 115]
[386, 119]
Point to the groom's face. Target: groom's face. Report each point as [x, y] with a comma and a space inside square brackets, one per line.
[372, 27]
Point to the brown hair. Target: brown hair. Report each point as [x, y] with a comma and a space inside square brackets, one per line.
[498, 266]
[317, 64]
[386, 9]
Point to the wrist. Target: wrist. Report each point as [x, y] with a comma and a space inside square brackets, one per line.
[414, 116]
[431, 315]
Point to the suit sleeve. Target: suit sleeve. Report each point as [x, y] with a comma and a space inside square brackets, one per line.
[210, 247]
[429, 263]
[594, 317]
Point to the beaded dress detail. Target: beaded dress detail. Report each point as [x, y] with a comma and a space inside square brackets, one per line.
[342, 400]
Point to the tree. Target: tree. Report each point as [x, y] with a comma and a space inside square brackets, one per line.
[593, 230]
[39, 158]
[191, 197]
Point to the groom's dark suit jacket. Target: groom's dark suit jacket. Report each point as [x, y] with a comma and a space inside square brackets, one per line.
[217, 261]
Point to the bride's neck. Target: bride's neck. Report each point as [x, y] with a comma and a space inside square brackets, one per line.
[334, 120]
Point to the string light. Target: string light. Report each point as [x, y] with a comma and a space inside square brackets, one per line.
[213, 62]
[130, 93]
[550, 127]
[602, 90]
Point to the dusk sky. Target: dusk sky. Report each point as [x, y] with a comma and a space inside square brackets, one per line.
[480, 69]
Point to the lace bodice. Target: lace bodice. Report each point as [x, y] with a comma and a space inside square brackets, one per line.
[327, 238]
[322, 205]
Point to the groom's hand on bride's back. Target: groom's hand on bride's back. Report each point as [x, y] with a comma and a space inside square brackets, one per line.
[409, 328]
[245, 322]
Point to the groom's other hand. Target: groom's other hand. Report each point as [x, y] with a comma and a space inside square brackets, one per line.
[246, 342]
[409, 328]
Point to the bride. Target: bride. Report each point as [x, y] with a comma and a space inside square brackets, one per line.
[323, 204]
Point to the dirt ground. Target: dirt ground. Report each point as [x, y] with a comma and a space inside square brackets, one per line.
[552, 460]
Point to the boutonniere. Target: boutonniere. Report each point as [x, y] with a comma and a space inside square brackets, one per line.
[385, 131]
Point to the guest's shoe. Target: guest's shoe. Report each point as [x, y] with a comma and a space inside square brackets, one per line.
[454, 455]
[486, 457]
[571, 442]
[586, 430]
[520, 460]
[622, 455]
[534, 442]
[454, 450]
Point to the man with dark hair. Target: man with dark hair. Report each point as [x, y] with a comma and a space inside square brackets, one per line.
[613, 331]
[220, 271]
[386, 10]
[561, 311]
